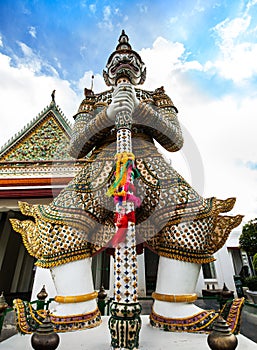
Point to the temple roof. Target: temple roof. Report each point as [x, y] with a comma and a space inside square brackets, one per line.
[35, 163]
[45, 138]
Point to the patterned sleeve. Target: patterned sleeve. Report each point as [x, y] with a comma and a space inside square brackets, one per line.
[159, 119]
[89, 130]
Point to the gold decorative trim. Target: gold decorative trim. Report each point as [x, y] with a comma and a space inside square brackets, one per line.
[175, 298]
[185, 256]
[196, 323]
[29, 319]
[27, 229]
[46, 264]
[224, 225]
[225, 205]
[234, 316]
[75, 298]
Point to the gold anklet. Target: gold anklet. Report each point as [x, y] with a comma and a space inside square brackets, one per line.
[175, 298]
[75, 298]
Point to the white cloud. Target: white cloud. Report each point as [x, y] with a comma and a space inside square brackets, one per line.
[162, 55]
[86, 81]
[33, 32]
[250, 4]
[32, 61]
[237, 59]
[24, 94]
[107, 21]
[225, 140]
[27, 51]
[107, 13]
[92, 8]
[58, 63]
[29, 59]
[229, 30]
[1, 41]
[223, 129]
[192, 65]
[142, 8]
[239, 64]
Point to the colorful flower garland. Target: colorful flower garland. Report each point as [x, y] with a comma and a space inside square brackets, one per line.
[123, 191]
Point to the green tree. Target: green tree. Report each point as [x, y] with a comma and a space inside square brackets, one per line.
[248, 238]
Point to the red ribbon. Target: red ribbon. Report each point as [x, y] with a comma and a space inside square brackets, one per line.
[121, 222]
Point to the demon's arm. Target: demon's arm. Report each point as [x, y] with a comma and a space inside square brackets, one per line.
[90, 128]
[158, 117]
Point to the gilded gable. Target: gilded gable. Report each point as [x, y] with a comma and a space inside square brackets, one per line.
[47, 140]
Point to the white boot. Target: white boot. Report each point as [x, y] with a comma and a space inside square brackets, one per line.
[176, 278]
[173, 308]
[71, 280]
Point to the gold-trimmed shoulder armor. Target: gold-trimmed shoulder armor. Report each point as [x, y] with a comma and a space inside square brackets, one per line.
[158, 97]
[93, 101]
[161, 99]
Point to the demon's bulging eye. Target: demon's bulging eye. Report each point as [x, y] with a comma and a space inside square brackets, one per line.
[132, 58]
[116, 59]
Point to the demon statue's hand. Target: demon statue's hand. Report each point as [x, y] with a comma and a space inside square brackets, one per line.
[123, 99]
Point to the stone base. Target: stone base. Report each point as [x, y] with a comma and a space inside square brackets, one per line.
[149, 339]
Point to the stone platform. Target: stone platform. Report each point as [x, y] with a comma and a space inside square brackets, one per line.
[150, 339]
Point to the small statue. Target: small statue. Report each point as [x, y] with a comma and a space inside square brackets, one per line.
[53, 96]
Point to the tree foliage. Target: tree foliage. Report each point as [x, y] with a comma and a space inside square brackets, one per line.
[248, 238]
[251, 283]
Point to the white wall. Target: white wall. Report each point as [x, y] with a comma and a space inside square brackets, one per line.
[224, 272]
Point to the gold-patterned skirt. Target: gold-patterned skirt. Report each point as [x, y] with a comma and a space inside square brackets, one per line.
[172, 218]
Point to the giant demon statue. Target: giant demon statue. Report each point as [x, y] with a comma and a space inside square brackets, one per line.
[183, 228]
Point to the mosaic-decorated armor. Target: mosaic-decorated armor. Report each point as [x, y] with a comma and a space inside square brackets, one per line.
[172, 217]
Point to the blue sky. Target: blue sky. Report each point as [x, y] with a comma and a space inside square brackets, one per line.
[203, 52]
[76, 36]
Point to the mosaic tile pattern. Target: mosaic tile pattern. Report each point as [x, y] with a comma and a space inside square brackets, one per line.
[28, 319]
[170, 208]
